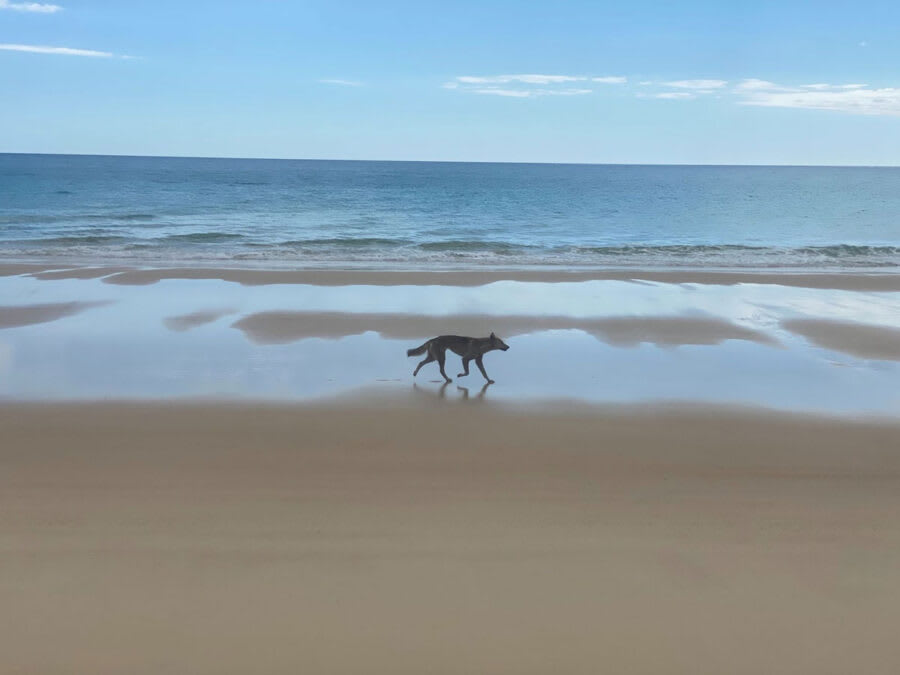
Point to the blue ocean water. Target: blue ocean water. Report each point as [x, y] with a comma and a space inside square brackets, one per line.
[293, 213]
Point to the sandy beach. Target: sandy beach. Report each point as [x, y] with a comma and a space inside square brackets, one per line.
[407, 536]
[204, 476]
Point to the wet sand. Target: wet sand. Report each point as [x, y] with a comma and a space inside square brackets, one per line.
[284, 327]
[15, 316]
[350, 277]
[80, 273]
[862, 340]
[9, 269]
[184, 322]
[417, 535]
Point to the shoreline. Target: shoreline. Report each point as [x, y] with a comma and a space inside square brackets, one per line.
[87, 333]
[851, 280]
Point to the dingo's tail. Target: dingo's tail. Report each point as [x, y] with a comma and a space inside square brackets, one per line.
[418, 350]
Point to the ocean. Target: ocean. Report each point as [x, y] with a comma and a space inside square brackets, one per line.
[308, 213]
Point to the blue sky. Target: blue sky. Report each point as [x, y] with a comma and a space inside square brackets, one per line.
[638, 82]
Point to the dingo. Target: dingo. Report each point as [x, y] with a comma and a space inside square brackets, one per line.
[467, 347]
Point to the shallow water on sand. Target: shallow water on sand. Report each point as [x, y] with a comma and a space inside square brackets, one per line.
[597, 341]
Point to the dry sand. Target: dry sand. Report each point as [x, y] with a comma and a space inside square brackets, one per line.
[336, 277]
[419, 536]
[283, 327]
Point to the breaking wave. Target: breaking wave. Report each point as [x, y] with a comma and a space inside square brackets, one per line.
[224, 246]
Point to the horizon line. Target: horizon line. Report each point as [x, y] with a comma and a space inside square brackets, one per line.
[455, 161]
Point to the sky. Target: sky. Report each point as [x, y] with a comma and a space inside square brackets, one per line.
[688, 82]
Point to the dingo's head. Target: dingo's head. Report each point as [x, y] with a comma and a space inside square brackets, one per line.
[497, 343]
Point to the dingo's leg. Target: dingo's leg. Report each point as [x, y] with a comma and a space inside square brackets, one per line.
[481, 368]
[427, 359]
[440, 360]
[465, 371]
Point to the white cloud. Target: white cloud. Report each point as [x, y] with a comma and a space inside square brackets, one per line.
[66, 51]
[38, 7]
[529, 93]
[860, 101]
[496, 91]
[524, 79]
[753, 84]
[854, 98]
[563, 92]
[831, 87]
[345, 83]
[697, 84]
[525, 85]
[849, 98]
[764, 85]
[535, 78]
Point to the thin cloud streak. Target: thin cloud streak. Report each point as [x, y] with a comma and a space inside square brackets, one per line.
[527, 85]
[754, 84]
[854, 98]
[826, 87]
[37, 7]
[345, 83]
[839, 98]
[527, 78]
[512, 93]
[64, 51]
[688, 89]
[675, 95]
[529, 93]
[696, 84]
